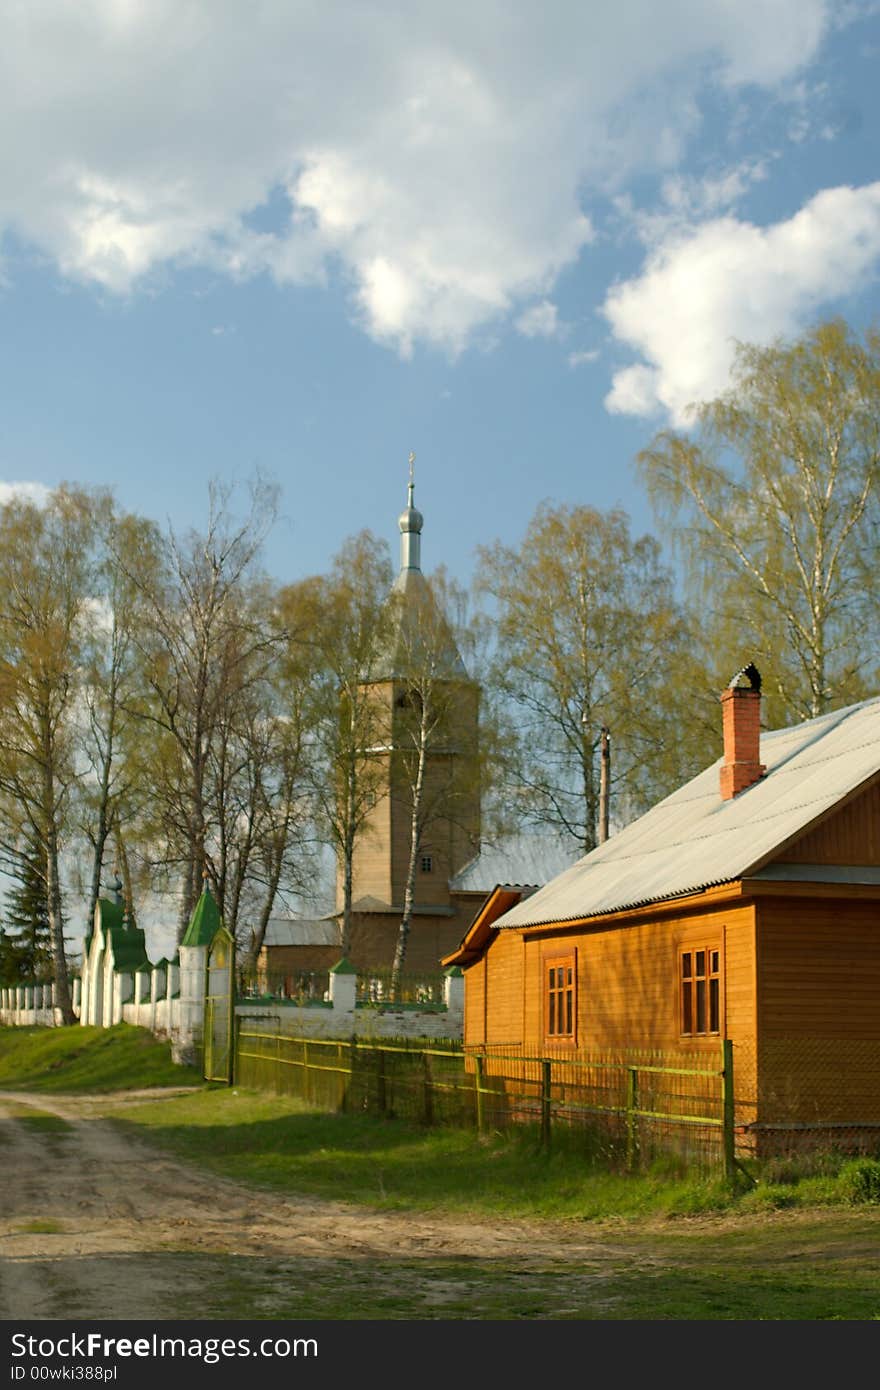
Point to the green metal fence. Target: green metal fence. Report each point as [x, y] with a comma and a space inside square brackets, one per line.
[632, 1107]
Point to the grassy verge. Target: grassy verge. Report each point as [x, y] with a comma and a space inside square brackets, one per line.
[55, 1060]
[278, 1143]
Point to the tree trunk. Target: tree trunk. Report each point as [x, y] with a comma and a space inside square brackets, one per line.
[414, 846]
[102, 834]
[63, 999]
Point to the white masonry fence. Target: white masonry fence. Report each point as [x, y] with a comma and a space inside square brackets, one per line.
[169, 1000]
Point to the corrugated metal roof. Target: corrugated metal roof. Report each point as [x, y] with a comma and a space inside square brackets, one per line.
[529, 859]
[301, 931]
[693, 840]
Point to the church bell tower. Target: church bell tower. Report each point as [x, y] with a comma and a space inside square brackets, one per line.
[419, 659]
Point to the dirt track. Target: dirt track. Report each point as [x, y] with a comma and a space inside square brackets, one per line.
[97, 1224]
[93, 1219]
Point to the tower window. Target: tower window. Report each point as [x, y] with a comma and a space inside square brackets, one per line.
[427, 863]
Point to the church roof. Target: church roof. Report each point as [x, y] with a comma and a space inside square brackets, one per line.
[301, 931]
[127, 941]
[528, 859]
[418, 632]
[204, 923]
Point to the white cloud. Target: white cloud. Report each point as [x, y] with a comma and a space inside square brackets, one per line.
[439, 163]
[26, 492]
[540, 321]
[705, 286]
[580, 359]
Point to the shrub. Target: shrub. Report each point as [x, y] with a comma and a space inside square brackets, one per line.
[859, 1180]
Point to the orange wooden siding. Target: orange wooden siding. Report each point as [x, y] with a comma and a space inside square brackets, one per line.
[627, 977]
[475, 1001]
[504, 989]
[819, 1011]
[849, 836]
[819, 968]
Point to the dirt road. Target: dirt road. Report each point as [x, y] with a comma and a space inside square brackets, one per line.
[93, 1219]
[97, 1224]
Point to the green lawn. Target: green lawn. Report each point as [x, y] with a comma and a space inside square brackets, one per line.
[87, 1059]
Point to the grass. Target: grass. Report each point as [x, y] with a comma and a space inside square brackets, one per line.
[80, 1059]
[684, 1279]
[280, 1144]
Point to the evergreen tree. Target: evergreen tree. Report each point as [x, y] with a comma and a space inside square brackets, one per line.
[25, 939]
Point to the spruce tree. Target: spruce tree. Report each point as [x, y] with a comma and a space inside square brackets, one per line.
[25, 939]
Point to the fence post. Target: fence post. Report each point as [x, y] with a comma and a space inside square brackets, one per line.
[478, 1089]
[233, 1061]
[727, 1108]
[632, 1124]
[352, 1063]
[429, 1090]
[545, 1102]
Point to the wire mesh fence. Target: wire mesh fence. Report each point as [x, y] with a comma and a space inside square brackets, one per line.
[813, 1095]
[631, 1107]
[427, 1085]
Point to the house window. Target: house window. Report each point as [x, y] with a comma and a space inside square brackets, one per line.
[700, 977]
[427, 863]
[559, 998]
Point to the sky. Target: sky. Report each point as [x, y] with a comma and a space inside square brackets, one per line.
[515, 238]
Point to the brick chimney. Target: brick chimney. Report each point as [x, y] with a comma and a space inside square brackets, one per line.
[741, 719]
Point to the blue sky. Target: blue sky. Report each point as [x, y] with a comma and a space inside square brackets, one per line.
[514, 238]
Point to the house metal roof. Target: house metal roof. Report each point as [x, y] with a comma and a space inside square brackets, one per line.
[517, 860]
[693, 840]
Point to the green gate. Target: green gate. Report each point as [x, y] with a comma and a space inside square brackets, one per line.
[219, 1008]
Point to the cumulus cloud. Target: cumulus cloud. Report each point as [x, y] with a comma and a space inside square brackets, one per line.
[26, 492]
[706, 286]
[540, 321]
[438, 165]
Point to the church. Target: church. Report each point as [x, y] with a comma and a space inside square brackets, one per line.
[455, 870]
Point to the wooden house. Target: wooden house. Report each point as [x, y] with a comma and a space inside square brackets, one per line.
[744, 906]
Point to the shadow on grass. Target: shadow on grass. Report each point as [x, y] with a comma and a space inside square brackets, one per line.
[392, 1164]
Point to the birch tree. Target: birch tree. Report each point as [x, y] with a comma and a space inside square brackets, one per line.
[202, 640]
[45, 584]
[109, 793]
[339, 620]
[589, 634]
[774, 496]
